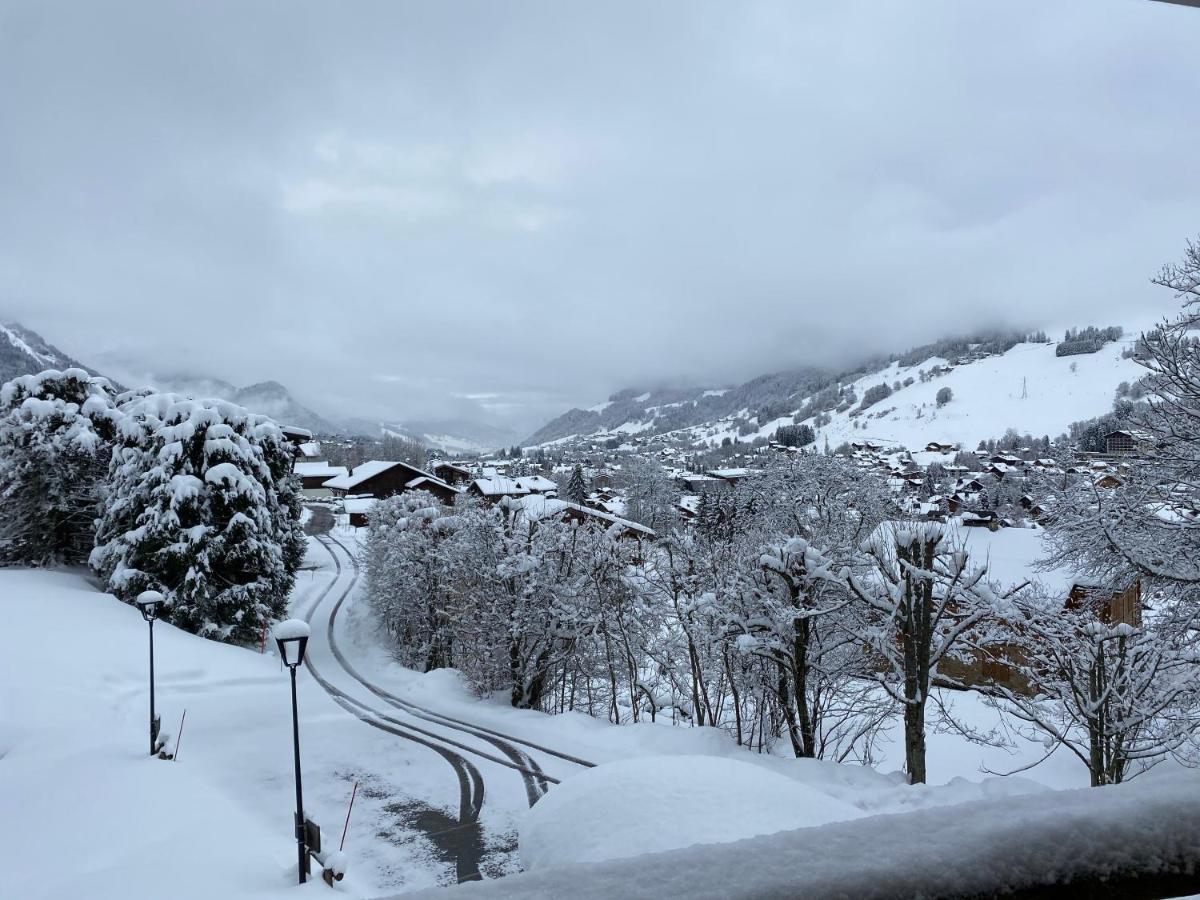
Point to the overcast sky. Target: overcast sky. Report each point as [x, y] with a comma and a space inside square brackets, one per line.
[502, 208]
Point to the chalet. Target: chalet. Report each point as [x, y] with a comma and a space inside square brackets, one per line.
[698, 484]
[446, 493]
[536, 507]
[998, 470]
[983, 518]
[357, 508]
[309, 451]
[1129, 440]
[313, 476]
[1013, 556]
[536, 484]
[1113, 606]
[732, 476]
[939, 447]
[296, 436]
[383, 478]
[496, 488]
[1107, 481]
[688, 507]
[451, 473]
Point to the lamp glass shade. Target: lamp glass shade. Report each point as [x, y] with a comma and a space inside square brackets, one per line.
[150, 603]
[292, 637]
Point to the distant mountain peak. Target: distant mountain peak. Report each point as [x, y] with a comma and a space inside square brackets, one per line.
[25, 352]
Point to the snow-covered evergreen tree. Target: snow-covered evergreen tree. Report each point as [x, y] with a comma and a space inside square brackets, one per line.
[56, 432]
[577, 490]
[203, 507]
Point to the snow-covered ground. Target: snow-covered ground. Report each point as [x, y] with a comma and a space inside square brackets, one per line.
[85, 806]
[1087, 838]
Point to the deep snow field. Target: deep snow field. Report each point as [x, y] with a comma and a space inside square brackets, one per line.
[88, 814]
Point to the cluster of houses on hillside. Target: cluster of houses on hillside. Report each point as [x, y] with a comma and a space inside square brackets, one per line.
[534, 496]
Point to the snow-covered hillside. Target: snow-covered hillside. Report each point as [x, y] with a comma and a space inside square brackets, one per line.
[25, 352]
[1027, 388]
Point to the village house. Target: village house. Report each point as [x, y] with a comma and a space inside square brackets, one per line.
[313, 476]
[1127, 441]
[697, 484]
[357, 509]
[731, 476]
[1012, 557]
[496, 488]
[451, 473]
[535, 507]
[383, 478]
[536, 484]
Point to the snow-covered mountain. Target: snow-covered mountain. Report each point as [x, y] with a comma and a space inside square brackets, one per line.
[995, 384]
[267, 398]
[25, 352]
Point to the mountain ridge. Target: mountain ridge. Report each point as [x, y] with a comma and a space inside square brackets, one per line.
[1000, 380]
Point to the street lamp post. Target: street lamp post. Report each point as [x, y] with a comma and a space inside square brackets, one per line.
[150, 603]
[292, 638]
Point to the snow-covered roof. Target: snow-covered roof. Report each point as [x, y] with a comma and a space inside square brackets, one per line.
[420, 482]
[536, 483]
[309, 449]
[358, 504]
[538, 506]
[728, 473]
[367, 470]
[1012, 556]
[499, 487]
[317, 469]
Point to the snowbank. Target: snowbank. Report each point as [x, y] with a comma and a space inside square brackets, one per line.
[656, 803]
[1149, 827]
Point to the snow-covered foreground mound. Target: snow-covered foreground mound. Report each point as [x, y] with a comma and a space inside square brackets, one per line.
[1083, 841]
[656, 803]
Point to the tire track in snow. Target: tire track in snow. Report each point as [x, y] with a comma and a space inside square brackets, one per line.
[466, 842]
[536, 781]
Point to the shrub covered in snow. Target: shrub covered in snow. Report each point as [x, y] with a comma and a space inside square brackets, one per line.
[202, 506]
[56, 432]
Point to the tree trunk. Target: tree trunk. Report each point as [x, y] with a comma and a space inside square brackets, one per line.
[914, 741]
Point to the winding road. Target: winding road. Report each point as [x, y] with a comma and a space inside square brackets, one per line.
[459, 742]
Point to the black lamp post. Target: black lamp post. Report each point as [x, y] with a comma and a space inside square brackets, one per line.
[292, 638]
[150, 603]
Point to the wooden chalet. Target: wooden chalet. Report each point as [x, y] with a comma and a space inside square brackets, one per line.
[496, 488]
[1128, 441]
[537, 484]
[1112, 606]
[451, 473]
[536, 507]
[357, 509]
[382, 478]
[313, 476]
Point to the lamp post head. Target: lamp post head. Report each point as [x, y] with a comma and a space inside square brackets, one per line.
[292, 637]
[150, 603]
